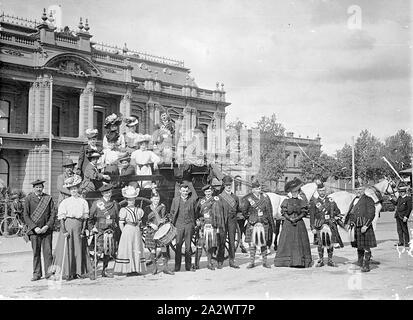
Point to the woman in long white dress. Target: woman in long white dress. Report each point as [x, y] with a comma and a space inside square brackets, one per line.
[142, 158]
[130, 259]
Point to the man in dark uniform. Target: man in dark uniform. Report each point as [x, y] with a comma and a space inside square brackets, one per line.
[210, 223]
[230, 208]
[403, 209]
[324, 211]
[360, 217]
[104, 222]
[39, 215]
[182, 216]
[257, 210]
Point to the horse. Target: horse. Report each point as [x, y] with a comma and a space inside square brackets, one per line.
[343, 199]
[308, 191]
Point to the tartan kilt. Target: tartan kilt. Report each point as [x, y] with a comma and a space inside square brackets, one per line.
[365, 240]
[202, 239]
[149, 240]
[100, 246]
[250, 227]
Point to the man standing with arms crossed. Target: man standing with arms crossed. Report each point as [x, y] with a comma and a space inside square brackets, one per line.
[39, 215]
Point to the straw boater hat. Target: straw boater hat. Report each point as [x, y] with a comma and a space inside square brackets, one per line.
[105, 187]
[293, 185]
[91, 133]
[112, 119]
[124, 157]
[143, 138]
[131, 121]
[72, 181]
[130, 192]
[93, 155]
[68, 163]
[37, 181]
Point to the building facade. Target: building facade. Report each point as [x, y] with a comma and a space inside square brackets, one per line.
[60, 80]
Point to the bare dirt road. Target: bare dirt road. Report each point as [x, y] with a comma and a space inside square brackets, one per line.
[392, 279]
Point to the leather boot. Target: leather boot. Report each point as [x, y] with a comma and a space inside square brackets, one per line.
[105, 265]
[320, 261]
[366, 262]
[253, 250]
[330, 262]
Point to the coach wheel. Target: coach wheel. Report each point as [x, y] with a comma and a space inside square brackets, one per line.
[193, 246]
[9, 227]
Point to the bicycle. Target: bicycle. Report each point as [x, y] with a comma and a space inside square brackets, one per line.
[13, 226]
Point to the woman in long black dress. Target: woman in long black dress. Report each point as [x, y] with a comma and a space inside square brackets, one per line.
[294, 245]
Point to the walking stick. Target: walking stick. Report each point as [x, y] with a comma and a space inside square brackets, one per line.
[63, 258]
[95, 256]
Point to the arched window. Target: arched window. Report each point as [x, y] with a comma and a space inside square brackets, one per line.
[4, 116]
[4, 172]
[98, 120]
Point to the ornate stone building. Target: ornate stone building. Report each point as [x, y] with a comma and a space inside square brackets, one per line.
[62, 79]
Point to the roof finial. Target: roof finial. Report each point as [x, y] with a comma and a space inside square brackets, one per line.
[217, 86]
[80, 24]
[222, 87]
[44, 15]
[51, 19]
[87, 25]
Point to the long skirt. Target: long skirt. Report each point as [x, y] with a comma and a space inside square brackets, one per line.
[294, 246]
[365, 240]
[76, 258]
[131, 255]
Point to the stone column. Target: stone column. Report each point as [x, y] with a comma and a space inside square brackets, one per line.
[157, 113]
[86, 108]
[45, 103]
[150, 105]
[33, 112]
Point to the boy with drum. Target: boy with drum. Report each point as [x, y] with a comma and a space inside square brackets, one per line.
[210, 222]
[155, 216]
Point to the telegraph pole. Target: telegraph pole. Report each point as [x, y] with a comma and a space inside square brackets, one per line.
[49, 189]
[353, 169]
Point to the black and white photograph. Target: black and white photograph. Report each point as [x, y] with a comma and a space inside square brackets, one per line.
[223, 152]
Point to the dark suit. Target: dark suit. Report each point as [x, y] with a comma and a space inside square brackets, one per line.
[185, 225]
[83, 161]
[43, 241]
[403, 209]
[231, 221]
[129, 171]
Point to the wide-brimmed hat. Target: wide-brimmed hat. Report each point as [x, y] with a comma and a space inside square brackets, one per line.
[106, 187]
[206, 187]
[131, 121]
[68, 163]
[130, 192]
[124, 157]
[112, 119]
[143, 138]
[72, 181]
[293, 185]
[92, 155]
[227, 180]
[37, 181]
[91, 133]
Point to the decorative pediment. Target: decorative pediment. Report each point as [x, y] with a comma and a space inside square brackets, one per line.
[74, 65]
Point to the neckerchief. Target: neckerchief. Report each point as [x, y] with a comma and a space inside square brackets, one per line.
[228, 199]
[41, 207]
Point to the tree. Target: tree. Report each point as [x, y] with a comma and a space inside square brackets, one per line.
[314, 162]
[272, 153]
[368, 151]
[343, 158]
[398, 150]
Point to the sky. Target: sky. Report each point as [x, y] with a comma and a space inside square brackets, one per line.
[324, 67]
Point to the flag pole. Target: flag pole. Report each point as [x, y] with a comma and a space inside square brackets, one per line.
[353, 169]
[50, 135]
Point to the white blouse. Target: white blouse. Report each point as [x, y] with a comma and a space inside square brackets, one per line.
[73, 207]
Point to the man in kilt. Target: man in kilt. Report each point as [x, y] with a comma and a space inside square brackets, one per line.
[155, 216]
[324, 216]
[210, 223]
[360, 218]
[258, 210]
[103, 217]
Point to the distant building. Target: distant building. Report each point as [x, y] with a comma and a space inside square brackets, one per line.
[243, 162]
[86, 81]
